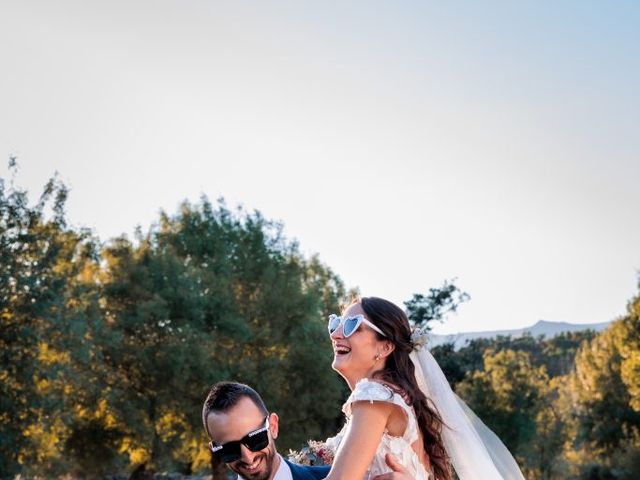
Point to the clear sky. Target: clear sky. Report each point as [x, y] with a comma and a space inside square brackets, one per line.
[404, 142]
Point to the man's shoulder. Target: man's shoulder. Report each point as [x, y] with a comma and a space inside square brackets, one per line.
[305, 472]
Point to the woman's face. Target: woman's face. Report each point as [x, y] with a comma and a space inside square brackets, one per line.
[355, 357]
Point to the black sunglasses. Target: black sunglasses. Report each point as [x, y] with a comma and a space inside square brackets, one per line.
[254, 441]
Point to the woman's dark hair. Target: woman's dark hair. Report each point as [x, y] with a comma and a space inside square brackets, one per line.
[400, 372]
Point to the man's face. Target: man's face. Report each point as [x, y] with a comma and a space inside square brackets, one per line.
[233, 425]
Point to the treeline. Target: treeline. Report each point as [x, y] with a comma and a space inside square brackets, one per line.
[107, 350]
[567, 407]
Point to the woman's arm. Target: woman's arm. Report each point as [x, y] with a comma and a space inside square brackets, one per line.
[363, 436]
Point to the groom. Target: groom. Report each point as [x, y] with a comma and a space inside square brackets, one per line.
[242, 433]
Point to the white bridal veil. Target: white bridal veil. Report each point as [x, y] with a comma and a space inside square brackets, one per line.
[475, 451]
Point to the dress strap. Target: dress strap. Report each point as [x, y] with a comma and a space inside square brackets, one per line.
[368, 390]
[372, 391]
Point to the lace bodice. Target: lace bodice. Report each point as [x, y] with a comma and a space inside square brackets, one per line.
[368, 390]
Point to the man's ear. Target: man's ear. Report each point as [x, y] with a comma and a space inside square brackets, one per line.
[273, 425]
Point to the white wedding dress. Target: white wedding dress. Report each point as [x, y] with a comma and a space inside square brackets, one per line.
[368, 390]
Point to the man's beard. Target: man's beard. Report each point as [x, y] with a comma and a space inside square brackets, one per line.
[266, 460]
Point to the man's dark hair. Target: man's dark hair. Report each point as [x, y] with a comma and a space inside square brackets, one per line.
[225, 395]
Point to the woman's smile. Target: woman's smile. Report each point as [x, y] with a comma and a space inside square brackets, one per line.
[340, 349]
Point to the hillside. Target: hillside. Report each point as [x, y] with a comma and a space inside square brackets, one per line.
[543, 328]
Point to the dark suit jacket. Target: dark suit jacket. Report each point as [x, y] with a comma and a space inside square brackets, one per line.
[303, 472]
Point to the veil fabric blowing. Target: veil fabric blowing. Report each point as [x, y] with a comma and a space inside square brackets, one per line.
[476, 452]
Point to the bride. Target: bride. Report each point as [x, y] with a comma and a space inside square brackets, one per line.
[401, 403]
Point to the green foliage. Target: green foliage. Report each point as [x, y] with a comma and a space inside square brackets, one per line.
[211, 295]
[45, 309]
[526, 389]
[600, 403]
[508, 396]
[422, 310]
[601, 398]
[107, 351]
[630, 353]
[556, 354]
[107, 354]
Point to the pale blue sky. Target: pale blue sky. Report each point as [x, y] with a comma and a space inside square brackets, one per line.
[404, 142]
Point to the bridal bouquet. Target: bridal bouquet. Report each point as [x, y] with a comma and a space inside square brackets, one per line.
[315, 453]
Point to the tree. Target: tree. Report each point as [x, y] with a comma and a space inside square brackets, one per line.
[209, 295]
[630, 352]
[600, 403]
[425, 309]
[45, 308]
[106, 355]
[510, 395]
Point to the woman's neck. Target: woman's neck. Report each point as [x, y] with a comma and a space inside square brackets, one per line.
[354, 379]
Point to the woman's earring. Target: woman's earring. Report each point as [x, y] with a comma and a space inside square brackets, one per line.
[377, 357]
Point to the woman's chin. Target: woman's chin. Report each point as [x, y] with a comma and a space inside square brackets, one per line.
[346, 368]
[339, 364]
